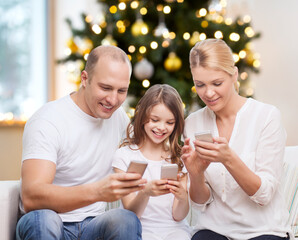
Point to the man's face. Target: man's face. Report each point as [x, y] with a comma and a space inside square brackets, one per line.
[107, 88]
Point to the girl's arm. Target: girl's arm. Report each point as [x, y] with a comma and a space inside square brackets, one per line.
[137, 202]
[181, 204]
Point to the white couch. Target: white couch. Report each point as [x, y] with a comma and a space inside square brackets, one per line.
[9, 197]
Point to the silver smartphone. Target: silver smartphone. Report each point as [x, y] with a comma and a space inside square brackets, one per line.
[169, 171]
[137, 166]
[204, 136]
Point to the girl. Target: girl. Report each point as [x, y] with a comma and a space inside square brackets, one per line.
[235, 181]
[152, 136]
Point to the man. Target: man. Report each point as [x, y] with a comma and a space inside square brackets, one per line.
[66, 163]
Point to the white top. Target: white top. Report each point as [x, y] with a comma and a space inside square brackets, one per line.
[258, 138]
[81, 146]
[158, 212]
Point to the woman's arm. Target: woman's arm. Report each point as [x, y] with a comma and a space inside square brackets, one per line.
[199, 191]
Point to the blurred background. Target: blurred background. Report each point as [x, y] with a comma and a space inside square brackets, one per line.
[44, 45]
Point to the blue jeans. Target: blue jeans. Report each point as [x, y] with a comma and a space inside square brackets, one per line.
[210, 235]
[117, 224]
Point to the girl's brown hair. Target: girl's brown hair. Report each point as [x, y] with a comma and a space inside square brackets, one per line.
[167, 95]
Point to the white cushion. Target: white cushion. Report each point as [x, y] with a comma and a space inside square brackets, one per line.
[9, 199]
[291, 184]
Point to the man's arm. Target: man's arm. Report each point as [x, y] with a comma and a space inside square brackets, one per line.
[38, 192]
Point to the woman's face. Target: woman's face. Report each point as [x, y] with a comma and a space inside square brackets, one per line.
[215, 88]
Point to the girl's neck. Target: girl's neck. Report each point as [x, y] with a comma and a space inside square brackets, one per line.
[155, 152]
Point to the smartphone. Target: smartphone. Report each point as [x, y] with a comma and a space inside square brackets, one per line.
[204, 136]
[169, 171]
[137, 166]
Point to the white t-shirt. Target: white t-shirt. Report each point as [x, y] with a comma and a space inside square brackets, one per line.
[158, 213]
[80, 145]
[258, 138]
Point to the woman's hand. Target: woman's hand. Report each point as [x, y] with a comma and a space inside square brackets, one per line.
[219, 151]
[192, 160]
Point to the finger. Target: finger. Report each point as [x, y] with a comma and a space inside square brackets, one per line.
[127, 176]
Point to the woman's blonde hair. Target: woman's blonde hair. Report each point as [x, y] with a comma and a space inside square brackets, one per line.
[167, 95]
[214, 54]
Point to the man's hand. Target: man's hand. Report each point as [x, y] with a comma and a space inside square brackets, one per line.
[118, 185]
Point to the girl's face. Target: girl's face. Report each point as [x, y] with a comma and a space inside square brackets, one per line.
[215, 88]
[160, 124]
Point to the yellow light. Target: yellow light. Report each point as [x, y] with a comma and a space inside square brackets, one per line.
[240, 22]
[194, 38]
[249, 32]
[244, 75]
[183, 104]
[144, 30]
[256, 63]
[131, 49]
[134, 4]
[154, 45]
[218, 34]
[96, 29]
[219, 19]
[122, 6]
[166, 9]
[146, 83]
[166, 35]
[234, 37]
[203, 36]
[228, 21]
[120, 24]
[86, 56]
[186, 36]
[242, 54]
[202, 12]
[172, 35]
[249, 92]
[193, 89]
[180, 1]
[236, 57]
[113, 9]
[143, 11]
[142, 49]
[165, 44]
[67, 51]
[246, 19]
[88, 18]
[159, 7]
[129, 57]
[204, 24]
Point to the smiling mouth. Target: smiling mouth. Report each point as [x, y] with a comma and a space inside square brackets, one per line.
[212, 101]
[106, 106]
[158, 134]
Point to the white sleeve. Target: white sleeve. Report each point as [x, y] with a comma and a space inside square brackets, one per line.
[40, 141]
[202, 207]
[269, 158]
[120, 160]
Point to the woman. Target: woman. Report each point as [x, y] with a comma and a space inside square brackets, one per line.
[234, 180]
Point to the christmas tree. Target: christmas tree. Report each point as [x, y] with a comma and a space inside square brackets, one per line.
[158, 35]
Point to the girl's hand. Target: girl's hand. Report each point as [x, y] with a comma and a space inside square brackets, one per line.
[219, 151]
[192, 160]
[156, 188]
[177, 188]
